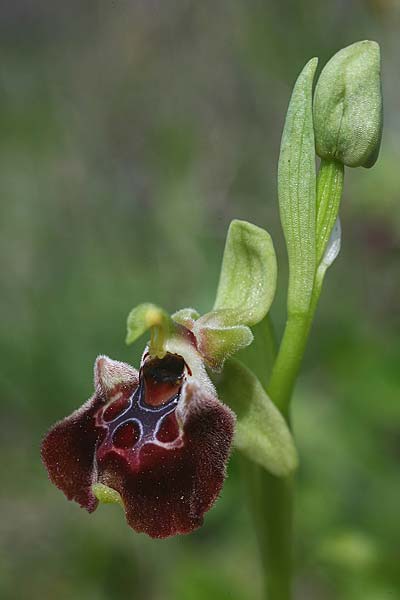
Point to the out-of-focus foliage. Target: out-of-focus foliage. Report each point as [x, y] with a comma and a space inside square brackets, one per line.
[131, 133]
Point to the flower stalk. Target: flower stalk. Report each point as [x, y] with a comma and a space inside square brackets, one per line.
[271, 503]
[288, 361]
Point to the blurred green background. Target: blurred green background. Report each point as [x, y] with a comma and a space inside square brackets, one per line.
[131, 133]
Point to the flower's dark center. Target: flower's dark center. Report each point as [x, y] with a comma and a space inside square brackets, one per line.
[162, 378]
[148, 415]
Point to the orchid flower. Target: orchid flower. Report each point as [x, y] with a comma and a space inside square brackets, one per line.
[157, 439]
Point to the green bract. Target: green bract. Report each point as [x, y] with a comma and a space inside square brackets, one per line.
[261, 431]
[332, 248]
[331, 253]
[348, 106]
[297, 191]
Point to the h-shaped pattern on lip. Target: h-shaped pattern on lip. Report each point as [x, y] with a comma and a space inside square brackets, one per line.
[136, 424]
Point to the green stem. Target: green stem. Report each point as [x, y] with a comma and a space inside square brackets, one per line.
[270, 497]
[275, 535]
[270, 500]
[277, 551]
[288, 361]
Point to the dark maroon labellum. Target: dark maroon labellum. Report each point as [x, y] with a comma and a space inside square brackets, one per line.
[156, 437]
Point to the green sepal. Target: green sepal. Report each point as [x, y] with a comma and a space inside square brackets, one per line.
[217, 339]
[248, 274]
[149, 316]
[348, 113]
[106, 495]
[262, 433]
[297, 191]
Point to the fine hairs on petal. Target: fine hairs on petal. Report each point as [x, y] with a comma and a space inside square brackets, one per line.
[193, 401]
[108, 374]
[67, 452]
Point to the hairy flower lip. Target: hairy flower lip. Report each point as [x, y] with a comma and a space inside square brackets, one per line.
[166, 485]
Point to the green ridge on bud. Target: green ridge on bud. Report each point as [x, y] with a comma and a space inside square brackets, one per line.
[348, 106]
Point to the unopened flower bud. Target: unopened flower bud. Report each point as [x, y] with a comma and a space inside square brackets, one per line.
[348, 106]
